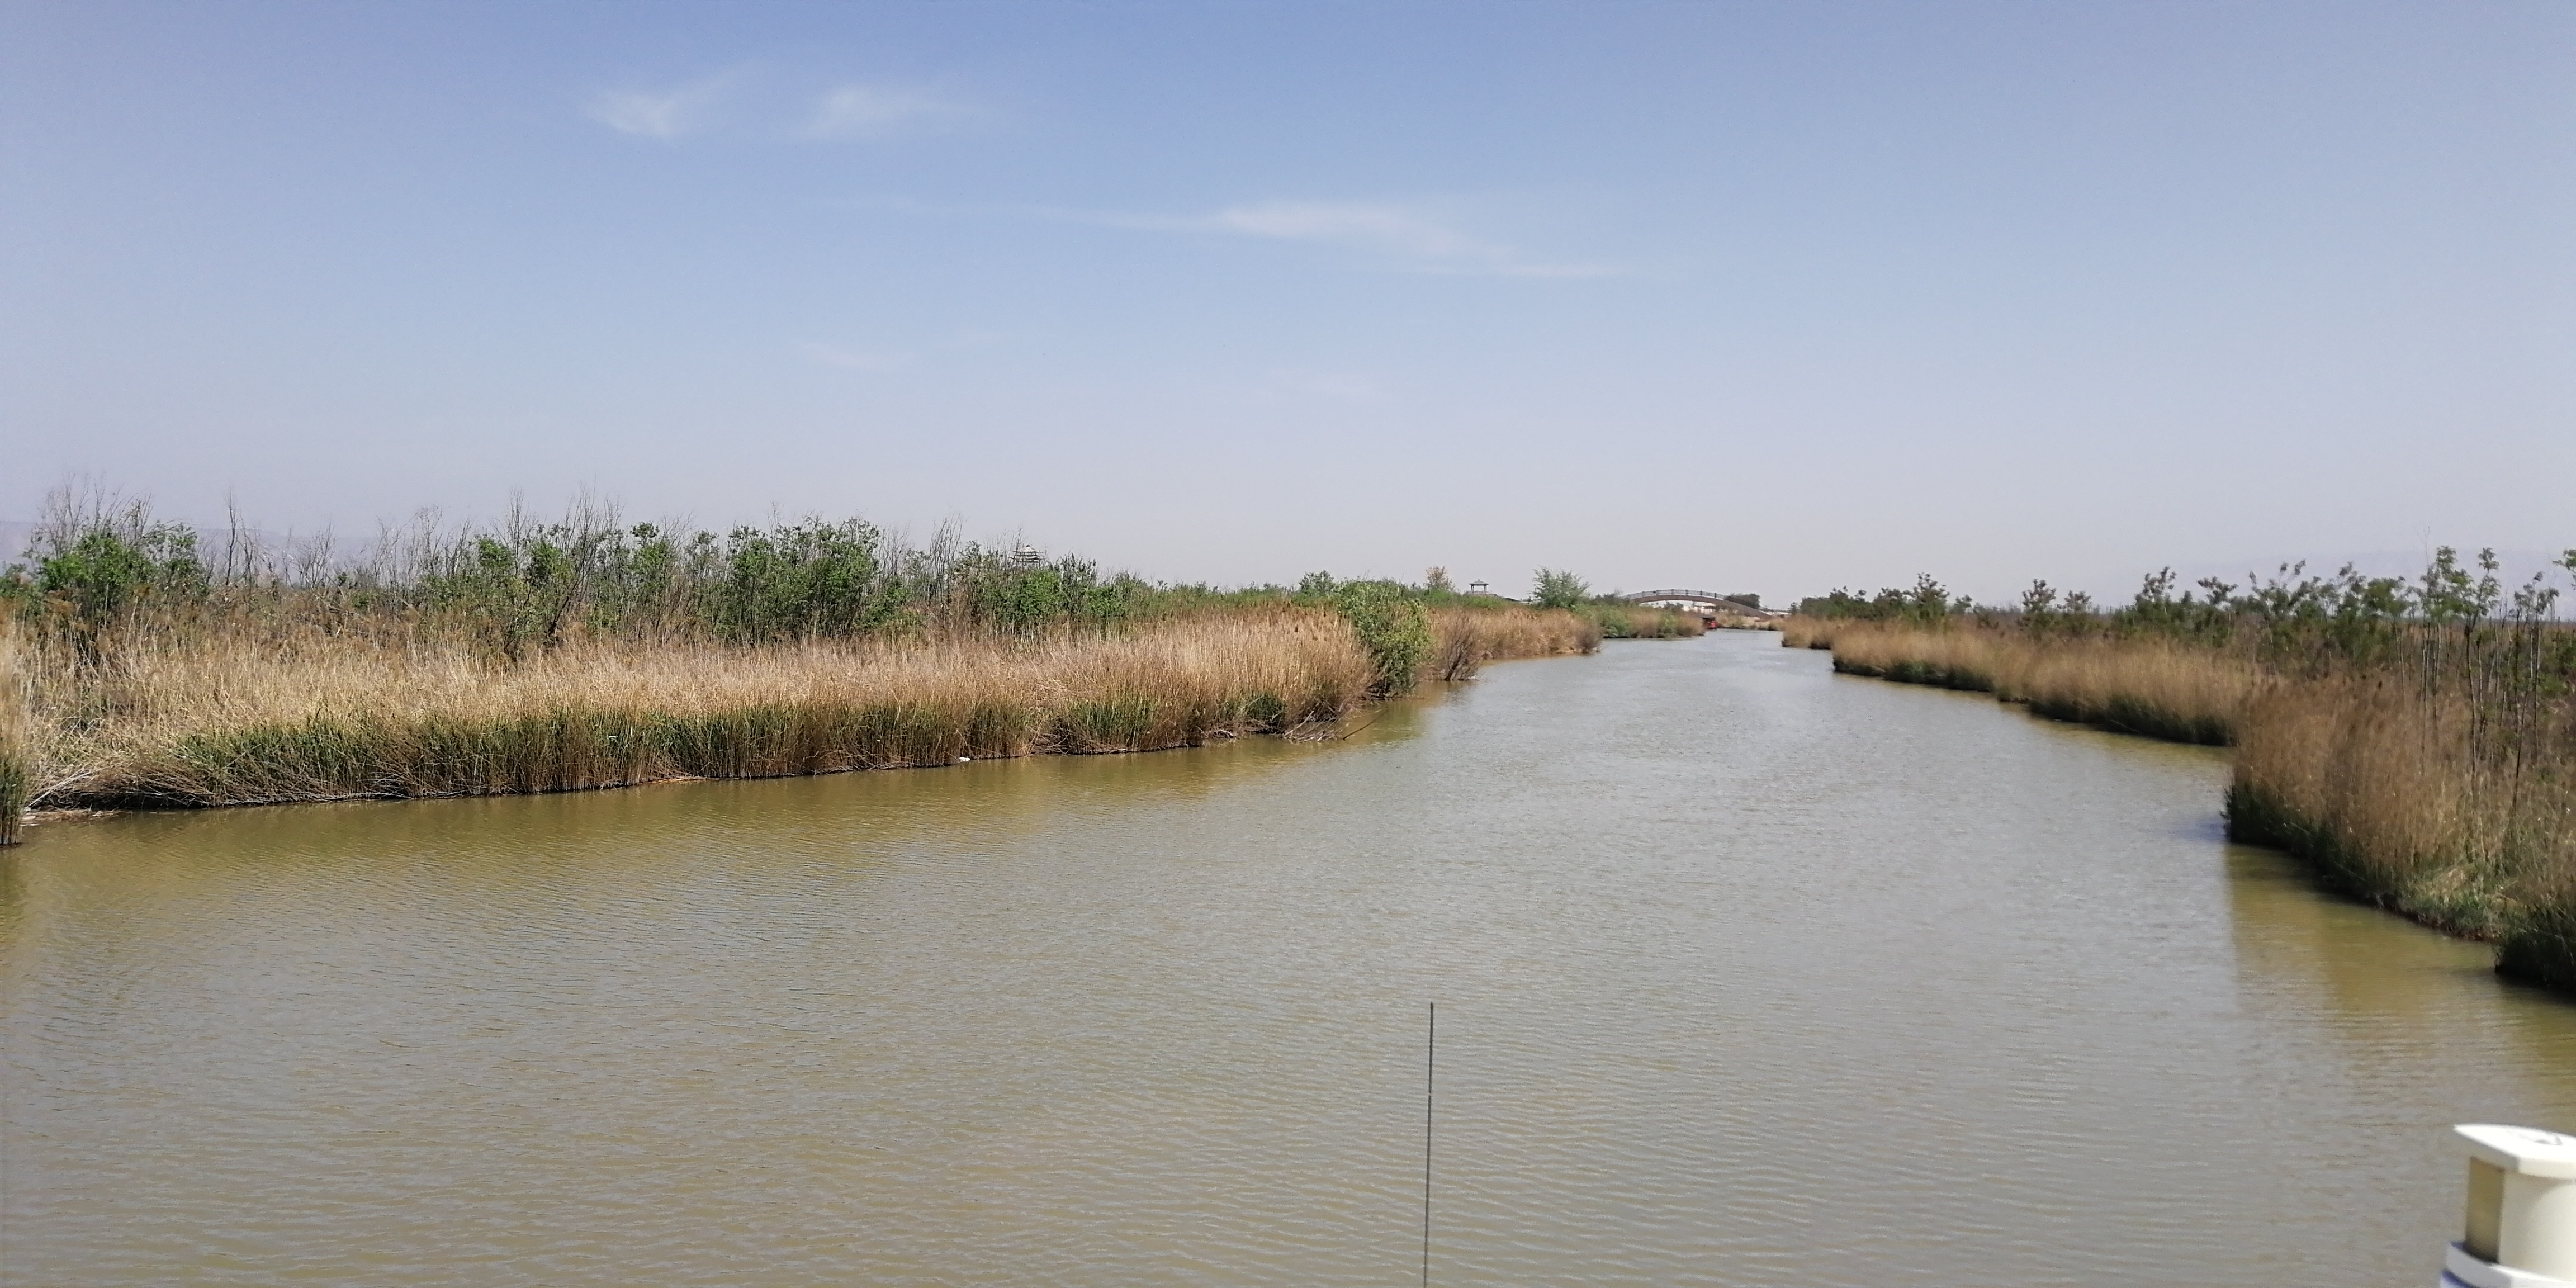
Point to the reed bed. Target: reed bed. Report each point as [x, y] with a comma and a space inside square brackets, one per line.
[2144, 685]
[247, 711]
[2425, 766]
[139, 667]
[17, 730]
[1637, 622]
[240, 719]
[2397, 790]
[1464, 639]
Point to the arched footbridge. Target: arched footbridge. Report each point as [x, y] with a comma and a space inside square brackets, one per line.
[1706, 599]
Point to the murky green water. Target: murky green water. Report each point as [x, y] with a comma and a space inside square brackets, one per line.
[1748, 975]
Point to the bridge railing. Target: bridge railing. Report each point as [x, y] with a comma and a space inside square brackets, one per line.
[1710, 598]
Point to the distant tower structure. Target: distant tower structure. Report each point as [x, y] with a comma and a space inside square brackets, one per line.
[1477, 588]
[1026, 556]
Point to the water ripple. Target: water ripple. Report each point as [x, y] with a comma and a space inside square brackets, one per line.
[1748, 975]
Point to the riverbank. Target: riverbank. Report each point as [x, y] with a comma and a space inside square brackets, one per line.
[1621, 621]
[2153, 687]
[584, 653]
[2432, 774]
[246, 718]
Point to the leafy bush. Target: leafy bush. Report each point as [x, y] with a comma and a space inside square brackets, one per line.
[1927, 603]
[1393, 630]
[94, 568]
[813, 578]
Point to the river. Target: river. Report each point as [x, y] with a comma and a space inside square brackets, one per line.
[1748, 974]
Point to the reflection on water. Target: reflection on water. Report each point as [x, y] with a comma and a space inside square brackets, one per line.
[1748, 974]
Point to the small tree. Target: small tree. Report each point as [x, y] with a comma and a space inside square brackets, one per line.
[1558, 588]
[99, 561]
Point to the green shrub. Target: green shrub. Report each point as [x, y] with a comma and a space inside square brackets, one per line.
[1558, 588]
[1393, 629]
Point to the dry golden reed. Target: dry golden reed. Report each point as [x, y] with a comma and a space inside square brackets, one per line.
[2424, 783]
[539, 655]
[2377, 779]
[17, 728]
[2150, 686]
[1641, 622]
[244, 712]
[1464, 639]
[239, 718]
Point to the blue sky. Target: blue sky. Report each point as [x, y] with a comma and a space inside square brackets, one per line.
[1768, 296]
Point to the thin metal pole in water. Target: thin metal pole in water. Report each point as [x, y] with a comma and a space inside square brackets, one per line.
[1430, 1050]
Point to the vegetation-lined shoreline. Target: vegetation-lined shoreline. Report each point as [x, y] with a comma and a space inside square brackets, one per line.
[587, 653]
[2414, 742]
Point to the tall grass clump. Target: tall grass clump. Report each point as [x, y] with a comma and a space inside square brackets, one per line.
[318, 719]
[2149, 686]
[1433, 632]
[2414, 741]
[1619, 620]
[17, 728]
[2438, 778]
[1465, 638]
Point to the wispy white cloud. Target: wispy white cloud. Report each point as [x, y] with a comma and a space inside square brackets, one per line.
[1395, 235]
[874, 111]
[657, 114]
[1381, 228]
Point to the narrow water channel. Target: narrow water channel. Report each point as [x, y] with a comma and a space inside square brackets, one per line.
[1748, 975]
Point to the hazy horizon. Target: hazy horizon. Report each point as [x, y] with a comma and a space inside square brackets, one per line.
[1742, 297]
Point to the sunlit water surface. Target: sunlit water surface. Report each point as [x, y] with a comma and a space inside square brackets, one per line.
[1748, 974]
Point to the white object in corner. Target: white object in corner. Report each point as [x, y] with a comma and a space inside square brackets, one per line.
[2521, 1226]
[2461, 1269]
